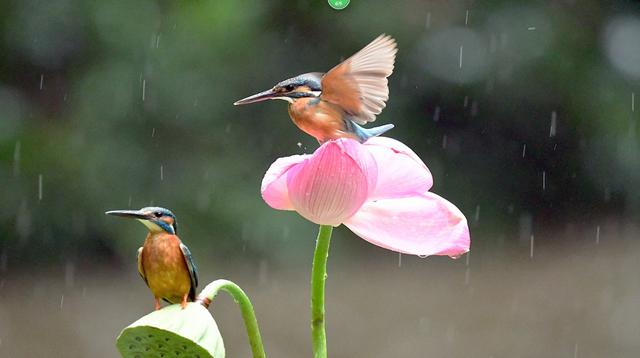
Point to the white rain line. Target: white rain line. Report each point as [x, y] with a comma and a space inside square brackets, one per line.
[633, 101]
[144, 89]
[524, 149]
[460, 60]
[552, 127]
[544, 180]
[466, 18]
[531, 28]
[40, 187]
[161, 173]
[41, 81]
[531, 247]
[598, 234]
[399, 259]
[428, 20]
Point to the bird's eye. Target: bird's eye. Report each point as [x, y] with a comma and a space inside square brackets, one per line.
[289, 88]
[158, 214]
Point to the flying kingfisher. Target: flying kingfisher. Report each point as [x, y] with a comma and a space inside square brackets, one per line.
[334, 104]
[164, 262]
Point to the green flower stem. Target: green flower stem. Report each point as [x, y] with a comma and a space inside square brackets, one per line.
[251, 323]
[318, 278]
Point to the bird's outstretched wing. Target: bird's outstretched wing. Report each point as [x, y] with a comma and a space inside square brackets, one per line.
[140, 267]
[359, 84]
[193, 271]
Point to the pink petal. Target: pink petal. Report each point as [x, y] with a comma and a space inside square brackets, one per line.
[401, 173]
[421, 225]
[333, 183]
[274, 184]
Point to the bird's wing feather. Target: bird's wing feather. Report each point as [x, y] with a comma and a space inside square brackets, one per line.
[193, 271]
[140, 267]
[359, 84]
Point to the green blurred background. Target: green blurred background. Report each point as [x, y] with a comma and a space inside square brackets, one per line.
[526, 113]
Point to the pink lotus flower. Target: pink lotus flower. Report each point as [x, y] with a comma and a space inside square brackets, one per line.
[378, 189]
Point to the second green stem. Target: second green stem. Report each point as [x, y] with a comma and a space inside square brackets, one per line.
[318, 278]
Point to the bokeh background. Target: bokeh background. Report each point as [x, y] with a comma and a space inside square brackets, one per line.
[525, 112]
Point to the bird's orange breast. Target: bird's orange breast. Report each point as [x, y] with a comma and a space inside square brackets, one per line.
[165, 268]
[318, 118]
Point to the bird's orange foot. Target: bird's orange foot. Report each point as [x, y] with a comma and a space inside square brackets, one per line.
[183, 304]
[157, 303]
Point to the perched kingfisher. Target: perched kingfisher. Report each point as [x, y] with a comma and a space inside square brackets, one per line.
[334, 104]
[164, 262]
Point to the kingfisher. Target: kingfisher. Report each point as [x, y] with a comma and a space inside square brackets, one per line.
[335, 104]
[164, 262]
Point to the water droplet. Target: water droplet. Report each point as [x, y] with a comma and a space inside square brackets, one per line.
[531, 247]
[399, 259]
[61, 301]
[428, 22]
[598, 234]
[41, 81]
[466, 18]
[444, 141]
[460, 60]
[161, 173]
[144, 89]
[531, 28]
[40, 187]
[436, 114]
[524, 149]
[477, 214]
[552, 126]
[544, 180]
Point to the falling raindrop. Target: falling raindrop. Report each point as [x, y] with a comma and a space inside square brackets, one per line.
[130, 199]
[598, 234]
[477, 214]
[158, 41]
[633, 101]
[299, 144]
[544, 180]
[467, 273]
[153, 132]
[531, 28]
[61, 301]
[444, 141]
[428, 22]
[436, 114]
[161, 173]
[575, 351]
[41, 81]
[524, 149]
[466, 18]
[531, 247]
[40, 187]
[144, 89]
[552, 127]
[16, 158]
[466, 101]
[399, 259]
[460, 60]
[468, 258]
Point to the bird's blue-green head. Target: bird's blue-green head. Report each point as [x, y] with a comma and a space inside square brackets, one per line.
[156, 219]
[302, 86]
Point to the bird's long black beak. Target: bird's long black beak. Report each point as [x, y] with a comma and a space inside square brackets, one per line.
[258, 97]
[134, 214]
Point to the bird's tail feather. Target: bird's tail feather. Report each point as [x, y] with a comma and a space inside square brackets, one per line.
[365, 133]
